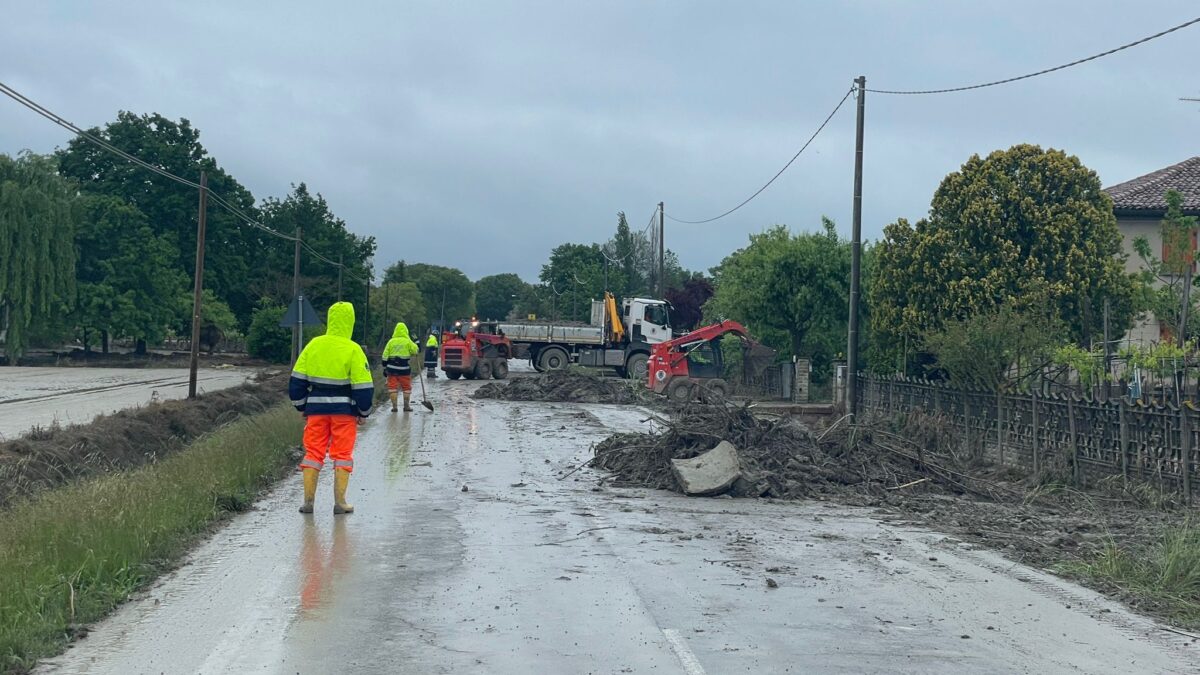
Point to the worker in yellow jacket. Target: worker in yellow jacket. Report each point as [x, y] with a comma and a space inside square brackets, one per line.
[331, 384]
[397, 365]
[431, 356]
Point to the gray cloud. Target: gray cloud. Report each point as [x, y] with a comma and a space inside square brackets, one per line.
[482, 134]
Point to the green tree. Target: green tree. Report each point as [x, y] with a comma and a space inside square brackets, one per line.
[38, 213]
[128, 281]
[437, 284]
[496, 295]
[575, 277]
[1167, 280]
[394, 302]
[325, 233]
[791, 291]
[1024, 227]
[997, 348]
[236, 252]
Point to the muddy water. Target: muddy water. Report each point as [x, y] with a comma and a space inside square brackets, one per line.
[525, 573]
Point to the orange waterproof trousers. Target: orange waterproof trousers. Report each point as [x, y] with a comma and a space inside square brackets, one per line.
[331, 435]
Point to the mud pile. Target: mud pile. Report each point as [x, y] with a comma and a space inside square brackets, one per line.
[48, 457]
[779, 458]
[572, 386]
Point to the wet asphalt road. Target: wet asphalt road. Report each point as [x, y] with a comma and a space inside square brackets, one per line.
[524, 573]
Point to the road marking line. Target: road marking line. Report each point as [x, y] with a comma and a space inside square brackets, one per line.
[691, 665]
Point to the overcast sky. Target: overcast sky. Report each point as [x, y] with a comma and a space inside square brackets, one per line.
[482, 134]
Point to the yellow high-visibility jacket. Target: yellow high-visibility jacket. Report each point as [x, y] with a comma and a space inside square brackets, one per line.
[398, 351]
[331, 376]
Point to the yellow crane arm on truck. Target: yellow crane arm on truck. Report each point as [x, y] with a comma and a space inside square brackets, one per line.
[616, 328]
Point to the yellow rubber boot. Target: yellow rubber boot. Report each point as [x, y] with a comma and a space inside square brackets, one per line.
[392, 395]
[407, 398]
[310, 489]
[341, 479]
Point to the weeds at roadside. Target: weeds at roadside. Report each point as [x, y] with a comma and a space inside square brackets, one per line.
[1165, 574]
[71, 555]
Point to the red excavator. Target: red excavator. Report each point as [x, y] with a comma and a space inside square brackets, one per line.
[690, 367]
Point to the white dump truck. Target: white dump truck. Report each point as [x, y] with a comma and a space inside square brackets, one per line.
[616, 339]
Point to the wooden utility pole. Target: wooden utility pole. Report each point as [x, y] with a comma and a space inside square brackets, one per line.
[198, 285]
[855, 259]
[662, 268]
[296, 330]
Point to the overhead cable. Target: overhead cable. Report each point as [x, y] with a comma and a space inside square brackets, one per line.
[777, 174]
[1040, 72]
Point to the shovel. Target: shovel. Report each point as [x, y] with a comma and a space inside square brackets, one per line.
[424, 397]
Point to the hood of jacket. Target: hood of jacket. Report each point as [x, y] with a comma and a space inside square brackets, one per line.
[401, 331]
[340, 321]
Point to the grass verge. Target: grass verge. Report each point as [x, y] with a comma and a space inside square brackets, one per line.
[1163, 578]
[71, 555]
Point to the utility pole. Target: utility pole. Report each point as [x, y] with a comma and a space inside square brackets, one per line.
[366, 311]
[297, 334]
[387, 300]
[855, 258]
[1107, 353]
[198, 284]
[339, 277]
[662, 268]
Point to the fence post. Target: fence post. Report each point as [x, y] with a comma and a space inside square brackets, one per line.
[1185, 449]
[1037, 449]
[1000, 431]
[800, 386]
[1123, 441]
[1073, 442]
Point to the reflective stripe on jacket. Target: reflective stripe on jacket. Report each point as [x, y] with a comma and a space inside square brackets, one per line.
[332, 377]
[398, 351]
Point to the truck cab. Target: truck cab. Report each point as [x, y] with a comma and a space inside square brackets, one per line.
[646, 320]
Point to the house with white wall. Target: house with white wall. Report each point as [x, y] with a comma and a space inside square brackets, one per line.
[1139, 206]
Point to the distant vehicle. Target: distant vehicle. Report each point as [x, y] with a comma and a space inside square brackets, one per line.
[619, 340]
[475, 350]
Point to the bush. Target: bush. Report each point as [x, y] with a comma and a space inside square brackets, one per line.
[266, 340]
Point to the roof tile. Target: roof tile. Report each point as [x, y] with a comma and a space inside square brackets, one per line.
[1148, 193]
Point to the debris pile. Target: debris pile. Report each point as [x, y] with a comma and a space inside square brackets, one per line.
[570, 385]
[780, 458]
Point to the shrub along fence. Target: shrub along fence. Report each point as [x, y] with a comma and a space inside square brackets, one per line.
[1091, 439]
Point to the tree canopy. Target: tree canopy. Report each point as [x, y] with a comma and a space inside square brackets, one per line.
[790, 290]
[497, 294]
[438, 285]
[129, 284]
[38, 216]
[1023, 227]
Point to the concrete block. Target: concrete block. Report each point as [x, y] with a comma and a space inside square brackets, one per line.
[712, 473]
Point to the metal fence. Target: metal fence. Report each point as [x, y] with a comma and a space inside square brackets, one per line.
[1092, 438]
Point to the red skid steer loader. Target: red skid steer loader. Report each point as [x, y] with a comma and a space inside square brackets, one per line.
[690, 367]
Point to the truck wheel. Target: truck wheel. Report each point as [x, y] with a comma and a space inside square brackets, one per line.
[680, 391]
[453, 374]
[483, 370]
[554, 358]
[500, 369]
[714, 391]
[635, 367]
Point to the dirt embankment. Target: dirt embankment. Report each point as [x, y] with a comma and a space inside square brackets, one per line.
[570, 385]
[51, 457]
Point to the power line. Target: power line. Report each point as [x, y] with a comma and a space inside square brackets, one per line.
[1040, 72]
[777, 174]
[105, 145]
[632, 249]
